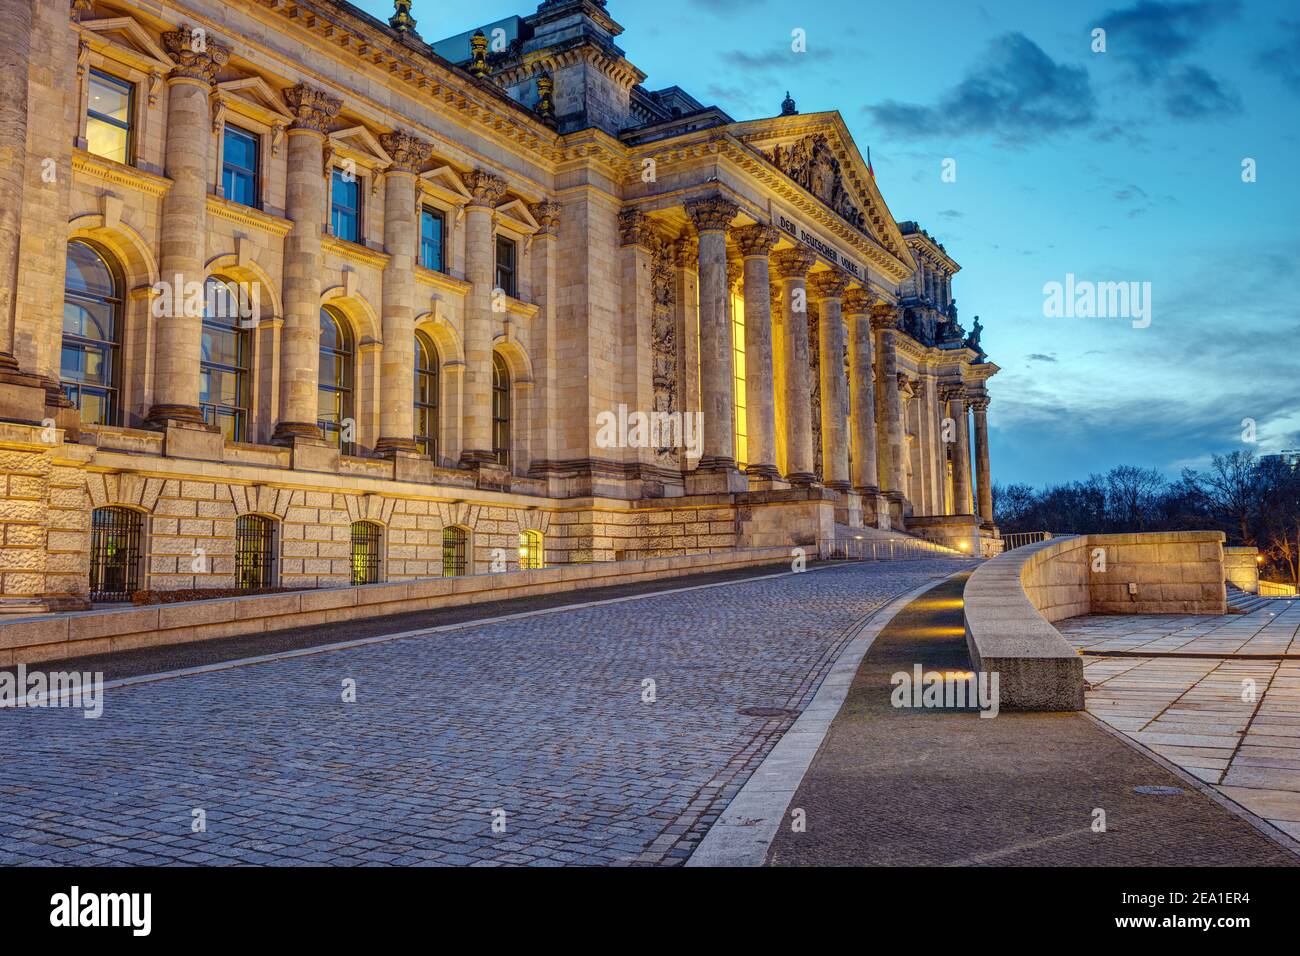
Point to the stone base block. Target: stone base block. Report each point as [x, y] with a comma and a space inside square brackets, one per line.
[720, 481]
[311, 454]
[187, 440]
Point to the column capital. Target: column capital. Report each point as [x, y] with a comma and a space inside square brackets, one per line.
[197, 56]
[312, 109]
[757, 240]
[486, 189]
[793, 263]
[547, 213]
[906, 386]
[980, 403]
[857, 302]
[408, 152]
[953, 392]
[634, 228]
[829, 284]
[711, 213]
[885, 316]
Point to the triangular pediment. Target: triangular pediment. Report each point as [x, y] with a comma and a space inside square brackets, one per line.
[817, 152]
[519, 217]
[359, 144]
[253, 97]
[445, 182]
[125, 40]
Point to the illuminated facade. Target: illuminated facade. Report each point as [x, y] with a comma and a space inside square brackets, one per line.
[290, 297]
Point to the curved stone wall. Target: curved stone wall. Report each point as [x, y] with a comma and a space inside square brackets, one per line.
[1012, 600]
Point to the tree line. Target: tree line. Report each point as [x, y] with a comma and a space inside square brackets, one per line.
[1254, 501]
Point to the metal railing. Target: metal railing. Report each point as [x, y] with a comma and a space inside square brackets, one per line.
[1021, 538]
[889, 549]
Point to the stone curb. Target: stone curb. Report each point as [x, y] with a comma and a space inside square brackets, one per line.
[745, 830]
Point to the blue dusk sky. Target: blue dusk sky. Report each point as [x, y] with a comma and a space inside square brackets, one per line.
[1122, 166]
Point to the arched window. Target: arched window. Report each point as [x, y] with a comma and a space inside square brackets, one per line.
[532, 554]
[223, 370]
[115, 548]
[92, 335]
[500, 410]
[367, 552]
[337, 368]
[426, 395]
[254, 552]
[455, 547]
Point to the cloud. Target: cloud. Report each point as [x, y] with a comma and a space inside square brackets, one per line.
[1284, 59]
[951, 214]
[1151, 37]
[1192, 93]
[1040, 357]
[1016, 93]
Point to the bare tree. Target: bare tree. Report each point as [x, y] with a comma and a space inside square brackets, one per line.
[1132, 493]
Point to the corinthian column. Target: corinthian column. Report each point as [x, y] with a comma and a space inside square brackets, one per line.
[828, 289]
[792, 266]
[401, 235]
[756, 244]
[486, 190]
[862, 393]
[712, 216]
[313, 111]
[183, 231]
[889, 412]
[15, 58]
[955, 396]
[981, 407]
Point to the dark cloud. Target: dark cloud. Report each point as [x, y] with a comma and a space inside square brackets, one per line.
[1153, 40]
[1040, 357]
[1284, 59]
[1192, 93]
[950, 214]
[776, 61]
[1015, 93]
[1152, 36]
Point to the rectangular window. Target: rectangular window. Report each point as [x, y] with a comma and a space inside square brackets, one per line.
[432, 228]
[506, 260]
[108, 117]
[345, 206]
[239, 166]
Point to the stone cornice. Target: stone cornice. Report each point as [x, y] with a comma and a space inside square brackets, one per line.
[353, 252]
[119, 175]
[440, 280]
[248, 216]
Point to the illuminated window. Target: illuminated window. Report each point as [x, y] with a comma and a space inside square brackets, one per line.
[92, 326]
[455, 546]
[108, 117]
[367, 552]
[334, 400]
[500, 411]
[738, 361]
[532, 555]
[432, 228]
[223, 365]
[426, 395]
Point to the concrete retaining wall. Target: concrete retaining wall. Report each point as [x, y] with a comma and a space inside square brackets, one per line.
[1012, 599]
[59, 636]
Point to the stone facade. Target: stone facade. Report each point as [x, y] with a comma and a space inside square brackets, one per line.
[598, 247]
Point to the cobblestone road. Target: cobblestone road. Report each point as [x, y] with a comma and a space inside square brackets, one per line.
[541, 718]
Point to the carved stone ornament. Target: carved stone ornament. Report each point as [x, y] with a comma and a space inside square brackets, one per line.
[408, 152]
[197, 56]
[812, 164]
[312, 109]
[712, 213]
[486, 188]
[756, 240]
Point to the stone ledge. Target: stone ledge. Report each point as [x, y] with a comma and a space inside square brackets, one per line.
[57, 637]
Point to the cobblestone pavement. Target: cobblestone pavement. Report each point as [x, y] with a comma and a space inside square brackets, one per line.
[542, 718]
[903, 786]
